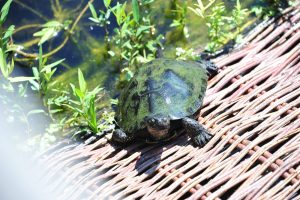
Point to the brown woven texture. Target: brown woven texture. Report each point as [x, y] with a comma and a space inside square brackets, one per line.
[252, 109]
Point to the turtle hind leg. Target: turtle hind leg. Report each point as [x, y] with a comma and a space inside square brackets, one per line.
[120, 136]
[198, 134]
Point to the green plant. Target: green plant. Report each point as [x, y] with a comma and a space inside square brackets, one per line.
[133, 41]
[215, 23]
[5, 34]
[50, 30]
[274, 7]
[183, 54]
[83, 105]
[43, 75]
[222, 26]
[179, 21]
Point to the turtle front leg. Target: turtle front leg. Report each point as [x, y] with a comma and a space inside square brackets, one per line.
[210, 67]
[198, 134]
[120, 136]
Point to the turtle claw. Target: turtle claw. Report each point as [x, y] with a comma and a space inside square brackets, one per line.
[198, 134]
[201, 139]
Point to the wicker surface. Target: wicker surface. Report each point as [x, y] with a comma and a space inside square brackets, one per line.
[251, 108]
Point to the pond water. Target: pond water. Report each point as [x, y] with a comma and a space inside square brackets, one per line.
[85, 47]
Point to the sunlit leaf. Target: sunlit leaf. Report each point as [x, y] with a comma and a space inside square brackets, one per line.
[50, 66]
[8, 32]
[35, 85]
[4, 11]
[111, 53]
[37, 111]
[49, 31]
[3, 65]
[94, 20]
[52, 24]
[106, 3]
[35, 72]
[136, 11]
[142, 29]
[81, 81]
[92, 115]
[93, 11]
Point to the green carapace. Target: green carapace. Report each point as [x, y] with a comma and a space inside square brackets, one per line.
[163, 97]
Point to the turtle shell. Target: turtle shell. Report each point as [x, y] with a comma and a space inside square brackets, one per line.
[162, 87]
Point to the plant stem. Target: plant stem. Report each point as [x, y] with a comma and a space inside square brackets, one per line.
[34, 55]
[27, 26]
[32, 10]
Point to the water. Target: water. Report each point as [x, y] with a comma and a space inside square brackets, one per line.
[85, 47]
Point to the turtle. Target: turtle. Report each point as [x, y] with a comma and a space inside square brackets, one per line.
[163, 97]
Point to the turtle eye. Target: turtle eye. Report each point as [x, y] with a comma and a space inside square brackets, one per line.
[152, 121]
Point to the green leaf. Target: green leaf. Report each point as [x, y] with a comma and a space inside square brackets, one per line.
[40, 56]
[93, 11]
[8, 33]
[106, 3]
[92, 120]
[35, 85]
[111, 53]
[37, 111]
[45, 34]
[136, 11]
[94, 20]
[48, 68]
[53, 24]
[20, 79]
[22, 89]
[79, 93]
[81, 81]
[142, 29]
[96, 90]
[3, 64]
[73, 88]
[50, 30]
[35, 72]
[53, 111]
[119, 12]
[238, 5]
[4, 11]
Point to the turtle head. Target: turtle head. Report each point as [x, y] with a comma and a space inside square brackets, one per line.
[158, 127]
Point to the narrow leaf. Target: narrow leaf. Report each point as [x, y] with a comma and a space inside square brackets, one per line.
[8, 32]
[3, 65]
[106, 3]
[20, 79]
[4, 11]
[93, 11]
[136, 11]
[53, 24]
[50, 66]
[81, 81]
[37, 111]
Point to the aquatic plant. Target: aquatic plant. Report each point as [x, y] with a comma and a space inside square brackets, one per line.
[134, 40]
[275, 7]
[43, 74]
[179, 21]
[6, 67]
[222, 26]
